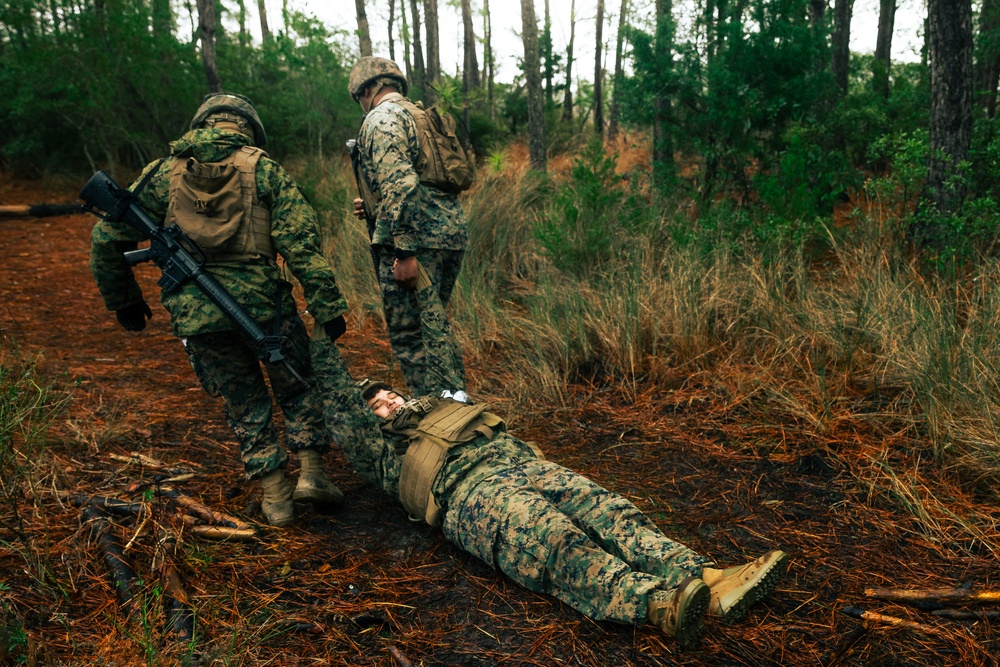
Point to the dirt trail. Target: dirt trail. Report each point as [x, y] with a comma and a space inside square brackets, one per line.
[340, 588]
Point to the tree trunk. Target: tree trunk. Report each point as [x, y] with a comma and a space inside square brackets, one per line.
[364, 36]
[842, 11]
[599, 72]
[242, 18]
[206, 27]
[433, 48]
[883, 47]
[163, 18]
[817, 14]
[536, 106]
[392, 39]
[950, 54]
[470, 73]
[988, 64]
[567, 115]
[619, 74]
[405, 33]
[663, 148]
[488, 56]
[547, 53]
[419, 71]
[264, 30]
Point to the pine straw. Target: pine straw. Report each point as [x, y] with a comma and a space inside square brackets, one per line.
[728, 471]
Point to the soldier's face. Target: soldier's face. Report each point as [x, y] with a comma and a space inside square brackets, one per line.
[385, 402]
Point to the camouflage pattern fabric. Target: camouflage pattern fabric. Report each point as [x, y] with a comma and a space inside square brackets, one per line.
[253, 283]
[227, 366]
[548, 528]
[419, 330]
[353, 426]
[410, 216]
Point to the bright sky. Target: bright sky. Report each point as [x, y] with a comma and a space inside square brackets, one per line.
[506, 17]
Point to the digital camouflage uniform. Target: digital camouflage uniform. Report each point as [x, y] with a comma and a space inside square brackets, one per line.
[411, 218]
[549, 529]
[224, 359]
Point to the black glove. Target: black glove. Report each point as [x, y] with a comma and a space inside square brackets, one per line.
[133, 317]
[335, 328]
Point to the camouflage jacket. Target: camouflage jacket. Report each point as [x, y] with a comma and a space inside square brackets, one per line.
[254, 283]
[410, 215]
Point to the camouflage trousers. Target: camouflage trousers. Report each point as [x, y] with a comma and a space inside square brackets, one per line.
[556, 532]
[226, 364]
[403, 311]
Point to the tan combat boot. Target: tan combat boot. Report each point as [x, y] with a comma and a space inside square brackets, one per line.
[277, 503]
[678, 612]
[313, 485]
[736, 589]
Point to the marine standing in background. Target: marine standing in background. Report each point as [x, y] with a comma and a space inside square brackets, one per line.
[242, 210]
[415, 224]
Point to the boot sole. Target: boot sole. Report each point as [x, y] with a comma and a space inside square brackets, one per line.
[764, 583]
[316, 499]
[691, 625]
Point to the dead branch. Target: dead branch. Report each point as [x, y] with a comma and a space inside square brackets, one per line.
[112, 504]
[148, 462]
[935, 598]
[400, 659]
[224, 533]
[178, 613]
[204, 512]
[123, 577]
[875, 617]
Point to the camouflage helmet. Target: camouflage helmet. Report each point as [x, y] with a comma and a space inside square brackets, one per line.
[234, 103]
[369, 388]
[372, 67]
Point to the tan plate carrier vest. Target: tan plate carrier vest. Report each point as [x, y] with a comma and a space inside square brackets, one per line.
[447, 425]
[216, 205]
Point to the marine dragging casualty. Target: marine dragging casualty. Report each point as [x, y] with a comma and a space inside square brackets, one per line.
[178, 258]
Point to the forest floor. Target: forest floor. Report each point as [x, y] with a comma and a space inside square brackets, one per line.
[341, 588]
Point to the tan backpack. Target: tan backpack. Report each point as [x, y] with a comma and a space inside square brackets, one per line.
[216, 205]
[442, 162]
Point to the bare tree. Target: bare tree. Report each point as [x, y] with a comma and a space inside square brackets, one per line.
[619, 73]
[206, 29]
[364, 36]
[883, 46]
[663, 148]
[842, 10]
[433, 47]
[470, 73]
[536, 105]
[419, 71]
[392, 40]
[599, 72]
[988, 66]
[405, 33]
[264, 30]
[546, 53]
[488, 55]
[949, 42]
[567, 114]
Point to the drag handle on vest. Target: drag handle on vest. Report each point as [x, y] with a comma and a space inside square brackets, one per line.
[179, 259]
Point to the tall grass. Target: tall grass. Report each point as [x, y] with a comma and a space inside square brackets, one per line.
[826, 325]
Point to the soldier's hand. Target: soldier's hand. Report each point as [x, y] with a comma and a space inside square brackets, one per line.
[133, 316]
[359, 208]
[335, 328]
[404, 272]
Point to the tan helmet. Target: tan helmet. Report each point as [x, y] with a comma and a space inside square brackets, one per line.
[369, 388]
[233, 102]
[372, 67]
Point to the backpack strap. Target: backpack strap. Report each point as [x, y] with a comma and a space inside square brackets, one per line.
[259, 217]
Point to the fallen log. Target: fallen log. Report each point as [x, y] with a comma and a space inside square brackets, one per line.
[124, 580]
[224, 533]
[40, 210]
[935, 598]
[875, 617]
[178, 614]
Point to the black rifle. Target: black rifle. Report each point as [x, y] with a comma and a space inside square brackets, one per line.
[178, 258]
